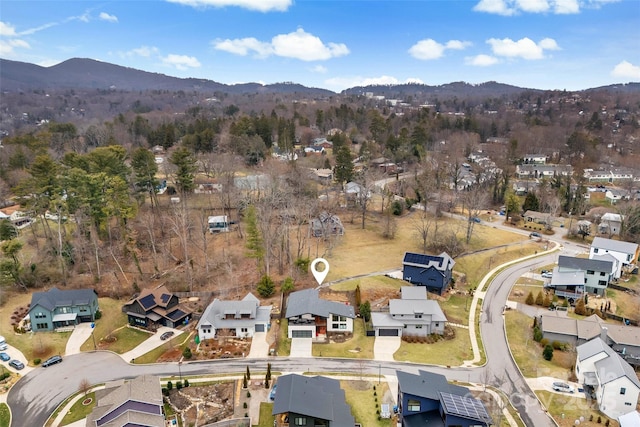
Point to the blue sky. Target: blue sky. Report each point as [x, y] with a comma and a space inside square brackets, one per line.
[333, 44]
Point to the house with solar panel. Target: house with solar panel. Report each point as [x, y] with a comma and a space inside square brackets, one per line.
[428, 400]
[310, 316]
[301, 400]
[157, 307]
[58, 308]
[432, 271]
[240, 319]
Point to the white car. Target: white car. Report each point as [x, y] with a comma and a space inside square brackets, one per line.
[564, 387]
[547, 275]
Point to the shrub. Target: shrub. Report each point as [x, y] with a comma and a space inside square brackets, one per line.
[169, 385]
[179, 385]
[397, 208]
[266, 287]
[244, 405]
[248, 394]
[557, 345]
[187, 353]
[36, 361]
[186, 383]
[599, 421]
[98, 315]
[539, 298]
[246, 415]
[303, 264]
[537, 334]
[530, 299]
[547, 353]
[544, 342]
[165, 392]
[580, 307]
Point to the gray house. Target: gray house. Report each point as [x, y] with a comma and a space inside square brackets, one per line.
[309, 316]
[234, 318]
[411, 315]
[310, 401]
[597, 273]
[57, 308]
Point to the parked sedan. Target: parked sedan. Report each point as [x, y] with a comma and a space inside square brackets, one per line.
[16, 364]
[4, 357]
[547, 275]
[166, 335]
[559, 386]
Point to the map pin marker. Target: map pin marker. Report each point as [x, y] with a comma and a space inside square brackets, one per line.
[320, 275]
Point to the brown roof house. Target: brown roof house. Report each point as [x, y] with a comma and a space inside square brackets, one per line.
[156, 307]
[137, 402]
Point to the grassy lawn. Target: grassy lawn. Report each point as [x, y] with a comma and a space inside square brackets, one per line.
[371, 283]
[528, 353]
[125, 339]
[358, 347]
[5, 416]
[573, 408]
[625, 305]
[456, 308]
[284, 343]
[152, 356]
[266, 419]
[79, 411]
[364, 405]
[444, 352]
[112, 319]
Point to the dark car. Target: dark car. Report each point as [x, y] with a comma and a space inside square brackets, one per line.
[52, 361]
[4, 357]
[166, 335]
[535, 234]
[16, 364]
[476, 219]
[272, 395]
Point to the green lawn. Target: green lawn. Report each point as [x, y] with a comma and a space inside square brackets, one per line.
[365, 406]
[358, 347]
[266, 419]
[112, 319]
[370, 282]
[5, 415]
[284, 344]
[572, 408]
[152, 356]
[79, 411]
[444, 352]
[456, 308]
[125, 339]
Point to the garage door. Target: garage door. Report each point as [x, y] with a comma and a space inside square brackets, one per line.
[387, 332]
[301, 334]
[260, 328]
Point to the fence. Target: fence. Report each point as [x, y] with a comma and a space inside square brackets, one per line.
[621, 288]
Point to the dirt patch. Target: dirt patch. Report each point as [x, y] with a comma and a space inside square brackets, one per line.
[203, 404]
[87, 401]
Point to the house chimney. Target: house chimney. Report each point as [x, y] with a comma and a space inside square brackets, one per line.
[603, 333]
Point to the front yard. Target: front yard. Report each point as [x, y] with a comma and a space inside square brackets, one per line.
[445, 352]
[566, 409]
[359, 346]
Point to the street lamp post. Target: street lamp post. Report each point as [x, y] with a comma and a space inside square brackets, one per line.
[180, 370]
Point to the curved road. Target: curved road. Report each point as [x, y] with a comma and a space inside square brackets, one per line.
[39, 393]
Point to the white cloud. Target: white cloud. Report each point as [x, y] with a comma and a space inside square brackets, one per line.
[428, 49]
[499, 7]
[559, 7]
[481, 60]
[181, 62]
[298, 45]
[566, 7]
[626, 70]
[533, 6]
[7, 47]
[244, 46]
[258, 5]
[7, 29]
[109, 18]
[524, 48]
[319, 69]
[306, 47]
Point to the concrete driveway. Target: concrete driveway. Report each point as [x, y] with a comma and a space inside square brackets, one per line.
[80, 334]
[301, 347]
[149, 344]
[259, 346]
[384, 347]
[14, 353]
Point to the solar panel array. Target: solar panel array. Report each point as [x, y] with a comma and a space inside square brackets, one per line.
[148, 301]
[415, 258]
[165, 298]
[176, 315]
[464, 407]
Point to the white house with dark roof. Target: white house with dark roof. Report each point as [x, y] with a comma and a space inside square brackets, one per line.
[607, 376]
[234, 318]
[413, 314]
[625, 252]
[597, 272]
[309, 316]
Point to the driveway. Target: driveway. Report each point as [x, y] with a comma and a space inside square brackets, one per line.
[149, 344]
[14, 353]
[385, 347]
[259, 346]
[80, 334]
[301, 347]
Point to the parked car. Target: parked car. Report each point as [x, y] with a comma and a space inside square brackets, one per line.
[16, 364]
[476, 219]
[3, 346]
[564, 387]
[535, 234]
[547, 275]
[4, 357]
[52, 361]
[166, 335]
[272, 394]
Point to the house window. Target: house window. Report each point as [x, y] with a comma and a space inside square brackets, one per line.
[418, 326]
[40, 315]
[337, 318]
[602, 273]
[627, 403]
[42, 325]
[590, 272]
[595, 250]
[300, 421]
[243, 329]
[623, 390]
[418, 316]
[602, 283]
[437, 324]
[413, 405]
[83, 309]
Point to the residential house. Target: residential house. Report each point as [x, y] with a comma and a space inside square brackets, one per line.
[610, 175]
[568, 285]
[597, 273]
[614, 195]
[310, 401]
[534, 171]
[610, 224]
[428, 400]
[432, 271]
[137, 402]
[537, 217]
[536, 159]
[413, 314]
[234, 318]
[326, 225]
[625, 252]
[57, 308]
[309, 316]
[608, 377]
[156, 307]
[218, 223]
[314, 150]
[325, 175]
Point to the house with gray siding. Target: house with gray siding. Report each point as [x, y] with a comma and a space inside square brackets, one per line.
[411, 315]
[240, 319]
[310, 401]
[309, 316]
[597, 273]
[58, 308]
